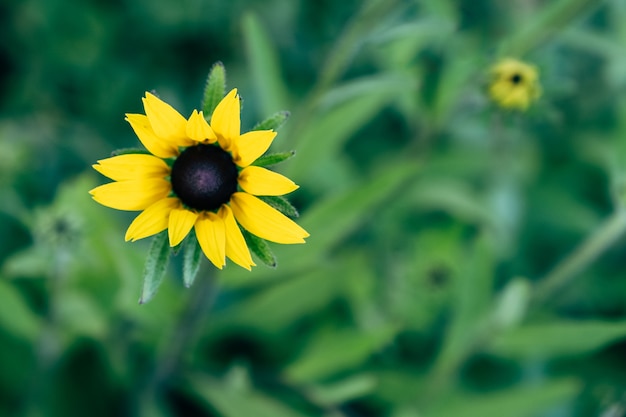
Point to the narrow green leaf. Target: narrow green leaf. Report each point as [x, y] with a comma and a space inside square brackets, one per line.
[192, 255]
[281, 204]
[126, 151]
[154, 270]
[524, 401]
[215, 89]
[15, 315]
[558, 338]
[333, 127]
[331, 352]
[273, 158]
[264, 65]
[273, 122]
[233, 401]
[260, 248]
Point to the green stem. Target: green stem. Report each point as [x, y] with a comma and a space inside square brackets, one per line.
[599, 241]
[180, 340]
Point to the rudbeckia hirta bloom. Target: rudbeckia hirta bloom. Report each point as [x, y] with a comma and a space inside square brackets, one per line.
[514, 84]
[200, 176]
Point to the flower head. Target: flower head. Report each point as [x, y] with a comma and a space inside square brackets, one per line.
[198, 176]
[514, 84]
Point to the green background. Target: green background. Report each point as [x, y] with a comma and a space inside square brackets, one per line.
[463, 260]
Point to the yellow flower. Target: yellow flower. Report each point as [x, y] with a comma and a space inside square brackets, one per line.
[199, 175]
[514, 84]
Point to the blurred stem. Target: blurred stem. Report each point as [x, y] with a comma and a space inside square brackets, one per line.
[599, 241]
[181, 338]
[48, 346]
[340, 56]
[343, 51]
[553, 19]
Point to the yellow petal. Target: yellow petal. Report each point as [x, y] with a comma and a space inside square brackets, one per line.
[226, 121]
[180, 223]
[166, 122]
[153, 143]
[249, 146]
[131, 195]
[236, 247]
[261, 181]
[198, 129]
[152, 220]
[211, 234]
[264, 221]
[132, 166]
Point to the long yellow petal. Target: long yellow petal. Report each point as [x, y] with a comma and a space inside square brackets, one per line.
[167, 123]
[180, 223]
[264, 221]
[198, 129]
[249, 146]
[152, 220]
[225, 121]
[153, 143]
[211, 234]
[131, 195]
[261, 181]
[132, 167]
[236, 247]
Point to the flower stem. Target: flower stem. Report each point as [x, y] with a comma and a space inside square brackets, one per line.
[181, 338]
[612, 229]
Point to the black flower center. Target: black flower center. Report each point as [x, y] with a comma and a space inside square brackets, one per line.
[204, 177]
[516, 79]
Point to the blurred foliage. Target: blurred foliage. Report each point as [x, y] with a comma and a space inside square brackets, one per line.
[462, 260]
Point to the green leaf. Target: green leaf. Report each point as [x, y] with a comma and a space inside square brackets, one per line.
[127, 151]
[558, 338]
[525, 401]
[156, 264]
[281, 204]
[233, 401]
[15, 315]
[192, 255]
[215, 89]
[260, 248]
[344, 390]
[273, 158]
[273, 122]
[335, 351]
[279, 305]
[326, 136]
[264, 66]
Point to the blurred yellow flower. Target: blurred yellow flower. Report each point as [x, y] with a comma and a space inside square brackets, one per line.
[514, 84]
[198, 175]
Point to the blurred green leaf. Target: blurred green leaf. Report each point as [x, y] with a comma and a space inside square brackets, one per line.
[156, 264]
[215, 89]
[231, 401]
[336, 125]
[332, 351]
[16, 315]
[515, 402]
[281, 304]
[342, 391]
[264, 65]
[557, 338]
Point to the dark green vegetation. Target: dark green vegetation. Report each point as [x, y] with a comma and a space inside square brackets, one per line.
[463, 261]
